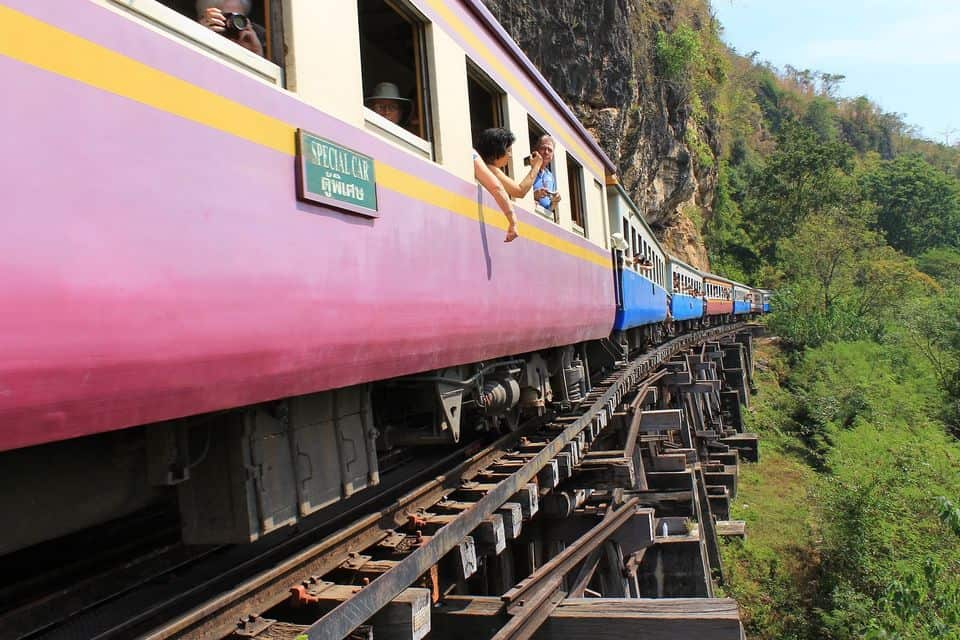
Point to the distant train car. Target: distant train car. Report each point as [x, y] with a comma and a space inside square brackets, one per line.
[640, 269]
[687, 301]
[741, 299]
[719, 295]
[756, 302]
[765, 296]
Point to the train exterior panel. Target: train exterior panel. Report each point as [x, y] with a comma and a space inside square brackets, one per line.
[719, 294]
[719, 307]
[686, 284]
[643, 302]
[684, 307]
[641, 272]
[741, 299]
[156, 263]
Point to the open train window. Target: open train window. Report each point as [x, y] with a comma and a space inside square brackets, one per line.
[536, 134]
[577, 200]
[260, 51]
[394, 65]
[486, 101]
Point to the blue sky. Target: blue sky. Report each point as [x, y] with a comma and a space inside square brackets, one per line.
[903, 54]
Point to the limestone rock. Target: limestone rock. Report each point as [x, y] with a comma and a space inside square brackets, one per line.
[599, 57]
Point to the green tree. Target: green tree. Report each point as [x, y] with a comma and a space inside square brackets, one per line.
[918, 206]
[841, 278]
[942, 263]
[931, 325]
[730, 248]
[821, 117]
[805, 175]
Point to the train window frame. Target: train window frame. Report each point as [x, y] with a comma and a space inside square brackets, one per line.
[170, 21]
[577, 191]
[498, 99]
[534, 132]
[421, 28]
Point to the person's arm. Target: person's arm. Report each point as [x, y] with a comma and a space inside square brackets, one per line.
[519, 189]
[492, 184]
[536, 162]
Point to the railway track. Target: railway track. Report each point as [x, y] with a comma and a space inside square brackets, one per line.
[419, 532]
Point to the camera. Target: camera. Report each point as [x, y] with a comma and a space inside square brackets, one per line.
[236, 22]
[526, 161]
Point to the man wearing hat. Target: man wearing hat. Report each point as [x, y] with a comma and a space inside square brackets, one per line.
[387, 102]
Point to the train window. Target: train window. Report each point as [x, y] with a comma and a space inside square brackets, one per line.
[258, 47]
[577, 202]
[486, 101]
[536, 135]
[393, 62]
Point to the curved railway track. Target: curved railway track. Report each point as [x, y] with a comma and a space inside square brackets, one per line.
[381, 542]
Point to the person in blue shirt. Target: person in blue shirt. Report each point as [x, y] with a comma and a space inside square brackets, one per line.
[545, 185]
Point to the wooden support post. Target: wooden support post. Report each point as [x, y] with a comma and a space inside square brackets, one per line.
[605, 473]
[726, 478]
[746, 444]
[512, 515]
[708, 531]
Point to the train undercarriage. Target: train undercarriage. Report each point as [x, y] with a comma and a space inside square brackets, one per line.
[238, 475]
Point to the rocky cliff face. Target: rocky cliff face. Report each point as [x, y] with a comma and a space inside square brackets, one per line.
[599, 56]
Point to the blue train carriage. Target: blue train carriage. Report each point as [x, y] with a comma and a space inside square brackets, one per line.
[640, 274]
[741, 299]
[687, 302]
[756, 302]
[765, 295]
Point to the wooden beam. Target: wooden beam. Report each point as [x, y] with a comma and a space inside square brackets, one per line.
[475, 617]
[734, 528]
[660, 420]
[659, 619]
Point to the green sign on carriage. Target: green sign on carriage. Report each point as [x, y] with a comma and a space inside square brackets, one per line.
[335, 176]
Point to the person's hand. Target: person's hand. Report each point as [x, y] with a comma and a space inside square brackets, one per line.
[248, 40]
[554, 197]
[212, 18]
[540, 193]
[536, 161]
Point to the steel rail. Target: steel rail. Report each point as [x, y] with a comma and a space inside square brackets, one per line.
[634, 429]
[350, 614]
[537, 595]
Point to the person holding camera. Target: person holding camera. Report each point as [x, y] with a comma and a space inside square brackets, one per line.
[545, 185]
[494, 146]
[229, 19]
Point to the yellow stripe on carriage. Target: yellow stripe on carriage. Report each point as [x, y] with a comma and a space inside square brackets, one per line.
[419, 189]
[39, 44]
[60, 52]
